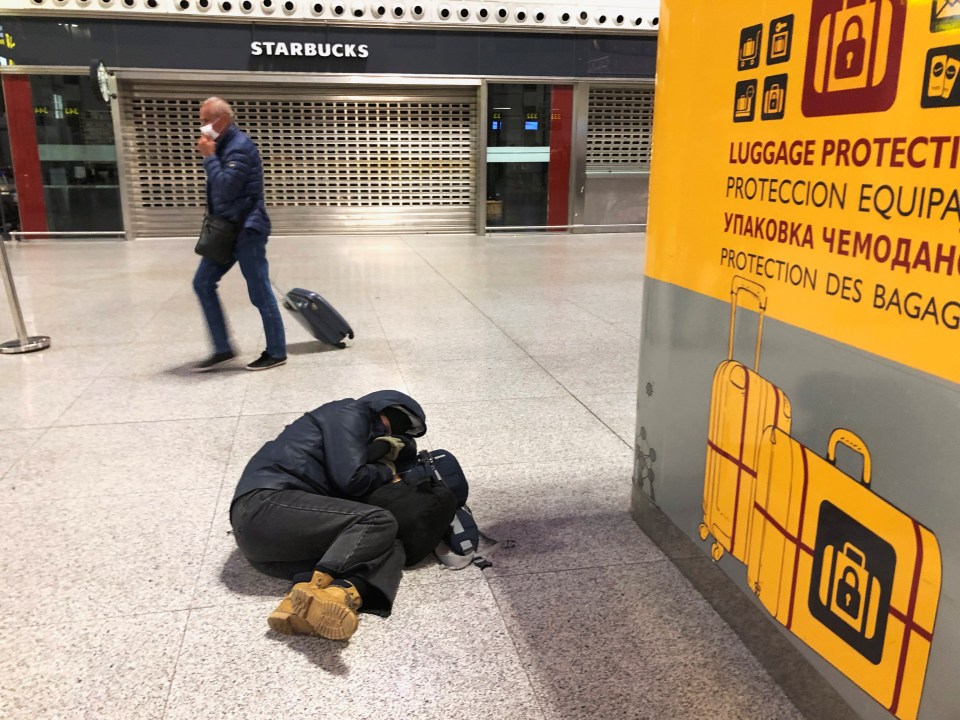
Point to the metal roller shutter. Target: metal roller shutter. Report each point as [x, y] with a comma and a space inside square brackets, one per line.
[619, 128]
[335, 161]
[618, 144]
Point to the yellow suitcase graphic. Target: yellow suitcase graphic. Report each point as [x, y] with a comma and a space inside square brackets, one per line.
[742, 405]
[848, 573]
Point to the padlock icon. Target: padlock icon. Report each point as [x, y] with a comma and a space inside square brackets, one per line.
[773, 97]
[848, 593]
[848, 590]
[851, 50]
[852, 47]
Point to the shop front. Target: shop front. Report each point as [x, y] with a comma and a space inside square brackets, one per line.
[361, 129]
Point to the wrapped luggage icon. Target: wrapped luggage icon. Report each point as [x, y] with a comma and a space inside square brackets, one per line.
[853, 45]
[852, 576]
[742, 405]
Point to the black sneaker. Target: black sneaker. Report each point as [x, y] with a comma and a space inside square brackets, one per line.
[265, 362]
[214, 360]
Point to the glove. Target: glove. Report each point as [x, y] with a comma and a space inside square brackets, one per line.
[396, 446]
[377, 451]
[408, 455]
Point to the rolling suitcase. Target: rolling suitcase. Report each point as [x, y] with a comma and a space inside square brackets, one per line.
[742, 405]
[849, 574]
[318, 317]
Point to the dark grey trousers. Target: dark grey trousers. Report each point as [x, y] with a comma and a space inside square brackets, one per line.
[287, 532]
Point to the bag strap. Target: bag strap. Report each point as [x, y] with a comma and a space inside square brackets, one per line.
[426, 458]
[483, 535]
[479, 560]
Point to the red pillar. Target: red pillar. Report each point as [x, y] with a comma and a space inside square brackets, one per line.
[561, 133]
[26, 155]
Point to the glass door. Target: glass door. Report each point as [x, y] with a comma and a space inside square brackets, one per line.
[9, 213]
[78, 158]
[528, 155]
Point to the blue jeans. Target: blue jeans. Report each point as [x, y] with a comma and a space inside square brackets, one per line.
[251, 253]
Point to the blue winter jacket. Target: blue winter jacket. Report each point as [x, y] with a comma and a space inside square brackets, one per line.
[235, 182]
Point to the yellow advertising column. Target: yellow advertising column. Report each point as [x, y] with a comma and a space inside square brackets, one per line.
[801, 342]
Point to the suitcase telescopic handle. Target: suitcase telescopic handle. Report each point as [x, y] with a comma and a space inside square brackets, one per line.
[855, 443]
[741, 284]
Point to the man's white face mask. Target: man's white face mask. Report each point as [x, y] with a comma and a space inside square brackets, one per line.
[209, 131]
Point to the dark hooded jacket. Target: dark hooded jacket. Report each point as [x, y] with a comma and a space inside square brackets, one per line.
[325, 451]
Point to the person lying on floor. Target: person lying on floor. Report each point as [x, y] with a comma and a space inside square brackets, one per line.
[296, 510]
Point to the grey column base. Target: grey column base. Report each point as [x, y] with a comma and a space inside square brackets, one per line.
[31, 344]
[807, 689]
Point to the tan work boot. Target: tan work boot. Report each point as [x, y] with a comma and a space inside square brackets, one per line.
[331, 612]
[285, 620]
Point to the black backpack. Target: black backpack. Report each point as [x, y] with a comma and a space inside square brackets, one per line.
[460, 542]
[424, 508]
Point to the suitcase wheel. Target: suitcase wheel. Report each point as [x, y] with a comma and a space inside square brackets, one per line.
[704, 531]
[716, 551]
[350, 334]
[341, 345]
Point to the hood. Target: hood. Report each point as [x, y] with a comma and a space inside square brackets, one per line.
[382, 399]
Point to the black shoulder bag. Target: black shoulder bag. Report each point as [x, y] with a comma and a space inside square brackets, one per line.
[218, 237]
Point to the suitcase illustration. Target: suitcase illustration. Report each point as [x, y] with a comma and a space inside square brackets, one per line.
[849, 574]
[318, 316]
[742, 405]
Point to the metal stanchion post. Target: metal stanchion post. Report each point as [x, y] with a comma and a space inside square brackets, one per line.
[3, 210]
[23, 343]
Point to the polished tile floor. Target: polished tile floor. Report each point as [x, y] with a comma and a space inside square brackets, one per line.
[122, 594]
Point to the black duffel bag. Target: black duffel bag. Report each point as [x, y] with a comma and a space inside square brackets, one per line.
[424, 509]
[218, 238]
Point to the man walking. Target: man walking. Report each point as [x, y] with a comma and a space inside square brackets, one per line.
[235, 192]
